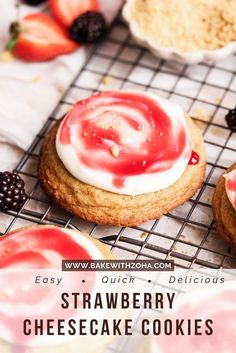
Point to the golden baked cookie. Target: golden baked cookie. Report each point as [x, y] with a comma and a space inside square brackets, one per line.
[104, 207]
[224, 213]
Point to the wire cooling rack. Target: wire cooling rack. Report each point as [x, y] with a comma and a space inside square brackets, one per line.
[187, 234]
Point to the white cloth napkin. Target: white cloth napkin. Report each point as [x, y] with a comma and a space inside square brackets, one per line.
[30, 91]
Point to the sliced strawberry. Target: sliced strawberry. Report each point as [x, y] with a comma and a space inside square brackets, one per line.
[38, 37]
[66, 11]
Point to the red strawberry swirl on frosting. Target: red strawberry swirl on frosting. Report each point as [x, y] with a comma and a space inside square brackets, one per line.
[31, 249]
[230, 186]
[38, 251]
[127, 137]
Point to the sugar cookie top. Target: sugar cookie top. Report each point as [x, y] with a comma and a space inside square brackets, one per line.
[126, 142]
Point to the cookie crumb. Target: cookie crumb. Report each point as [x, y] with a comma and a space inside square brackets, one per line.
[218, 100]
[25, 288]
[7, 56]
[143, 235]
[187, 25]
[106, 80]
[8, 292]
[201, 114]
[115, 151]
[37, 79]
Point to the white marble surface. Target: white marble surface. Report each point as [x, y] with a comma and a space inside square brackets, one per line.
[9, 156]
[30, 91]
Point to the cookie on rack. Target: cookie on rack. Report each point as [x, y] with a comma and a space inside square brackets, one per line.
[69, 244]
[122, 158]
[33, 255]
[224, 205]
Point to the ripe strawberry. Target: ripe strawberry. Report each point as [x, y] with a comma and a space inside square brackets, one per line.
[38, 37]
[66, 11]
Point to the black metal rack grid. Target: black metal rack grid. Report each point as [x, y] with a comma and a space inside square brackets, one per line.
[186, 234]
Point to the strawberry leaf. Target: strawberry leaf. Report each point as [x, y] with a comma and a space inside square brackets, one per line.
[14, 31]
[11, 44]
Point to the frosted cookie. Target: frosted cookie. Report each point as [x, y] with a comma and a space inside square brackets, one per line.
[122, 157]
[224, 205]
[39, 251]
[196, 320]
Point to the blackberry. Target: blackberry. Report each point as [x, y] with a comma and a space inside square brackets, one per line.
[231, 119]
[33, 2]
[88, 28]
[12, 193]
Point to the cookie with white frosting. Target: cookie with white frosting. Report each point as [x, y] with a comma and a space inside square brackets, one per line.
[224, 205]
[38, 251]
[196, 320]
[122, 157]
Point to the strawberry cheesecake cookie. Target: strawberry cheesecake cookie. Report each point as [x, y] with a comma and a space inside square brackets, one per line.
[202, 321]
[32, 284]
[122, 158]
[224, 206]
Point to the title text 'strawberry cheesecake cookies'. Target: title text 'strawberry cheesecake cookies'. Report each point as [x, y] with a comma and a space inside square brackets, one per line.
[224, 205]
[122, 157]
[39, 251]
